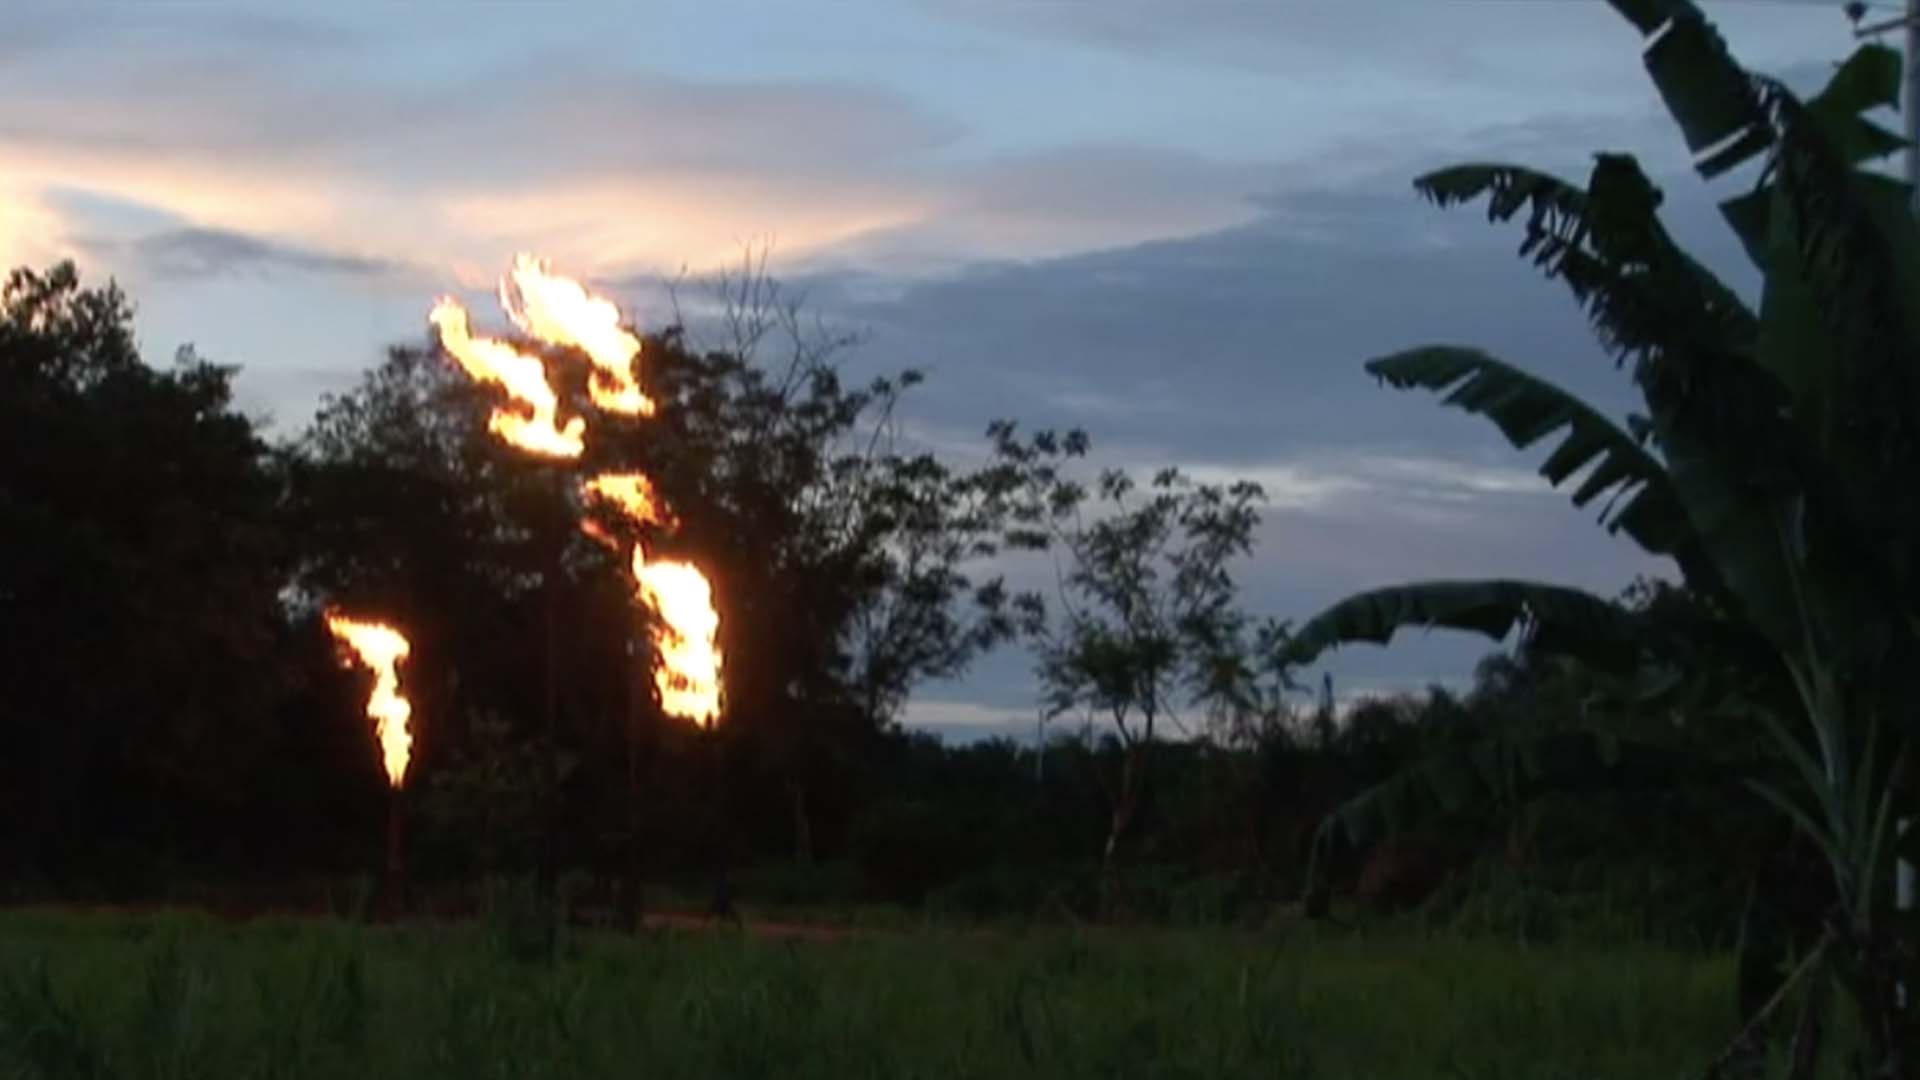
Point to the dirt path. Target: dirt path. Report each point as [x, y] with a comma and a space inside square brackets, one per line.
[658, 921]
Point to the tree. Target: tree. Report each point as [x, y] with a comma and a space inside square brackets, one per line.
[841, 559]
[845, 563]
[138, 586]
[1771, 464]
[1145, 600]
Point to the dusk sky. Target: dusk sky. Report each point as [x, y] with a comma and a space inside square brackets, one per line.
[1183, 225]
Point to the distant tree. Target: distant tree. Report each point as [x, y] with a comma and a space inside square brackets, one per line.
[1143, 603]
[138, 578]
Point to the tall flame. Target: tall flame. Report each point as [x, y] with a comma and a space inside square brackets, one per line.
[525, 380]
[559, 311]
[689, 674]
[381, 648]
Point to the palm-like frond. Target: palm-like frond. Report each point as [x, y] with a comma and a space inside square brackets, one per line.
[1641, 292]
[1554, 619]
[1640, 497]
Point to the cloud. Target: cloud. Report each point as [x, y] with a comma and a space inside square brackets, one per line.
[1184, 226]
[1567, 51]
[328, 136]
[1237, 354]
[198, 252]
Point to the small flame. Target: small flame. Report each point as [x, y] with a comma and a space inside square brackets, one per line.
[633, 494]
[525, 380]
[560, 311]
[381, 648]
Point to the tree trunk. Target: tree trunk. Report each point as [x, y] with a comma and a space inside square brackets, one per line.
[1125, 804]
[802, 823]
[394, 886]
[549, 802]
[630, 910]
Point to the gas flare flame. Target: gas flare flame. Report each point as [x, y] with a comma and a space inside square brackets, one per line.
[689, 674]
[525, 380]
[559, 311]
[380, 648]
[632, 494]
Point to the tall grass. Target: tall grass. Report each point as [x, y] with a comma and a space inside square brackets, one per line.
[172, 996]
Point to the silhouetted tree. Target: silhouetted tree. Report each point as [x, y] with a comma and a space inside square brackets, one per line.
[1144, 597]
[137, 585]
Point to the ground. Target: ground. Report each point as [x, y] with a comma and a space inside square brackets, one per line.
[167, 994]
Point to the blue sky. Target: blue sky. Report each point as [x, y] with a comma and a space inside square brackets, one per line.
[1182, 225]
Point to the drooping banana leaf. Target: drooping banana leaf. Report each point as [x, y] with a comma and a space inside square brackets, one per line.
[1711, 97]
[1694, 344]
[1869, 80]
[1841, 330]
[1640, 497]
[1555, 619]
[1640, 290]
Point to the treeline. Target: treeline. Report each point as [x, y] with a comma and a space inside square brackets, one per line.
[178, 713]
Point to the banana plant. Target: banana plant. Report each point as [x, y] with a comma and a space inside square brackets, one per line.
[1772, 463]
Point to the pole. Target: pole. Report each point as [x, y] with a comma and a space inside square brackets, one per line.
[720, 907]
[396, 838]
[1912, 104]
[1903, 870]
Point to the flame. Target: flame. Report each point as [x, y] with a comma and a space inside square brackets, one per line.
[689, 674]
[633, 494]
[559, 311]
[381, 648]
[523, 376]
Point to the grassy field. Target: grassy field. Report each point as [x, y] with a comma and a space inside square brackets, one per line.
[184, 996]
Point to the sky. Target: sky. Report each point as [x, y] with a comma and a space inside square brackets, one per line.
[1183, 226]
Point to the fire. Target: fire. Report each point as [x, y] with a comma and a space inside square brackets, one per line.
[525, 380]
[559, 311]
[381, 648]
[689, 674]
[632, 493]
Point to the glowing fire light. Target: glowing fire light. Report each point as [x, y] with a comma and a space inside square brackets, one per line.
[632, 493]
[559, 311]
[525, 380]
[381, 648]
[689, 673]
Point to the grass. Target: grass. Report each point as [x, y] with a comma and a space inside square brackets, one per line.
[182, 996]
